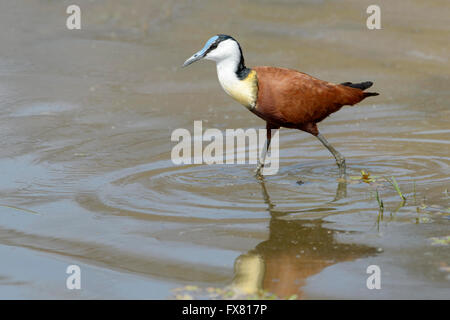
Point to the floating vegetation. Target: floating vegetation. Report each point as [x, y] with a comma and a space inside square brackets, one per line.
[419, 207]
[440, 241]
[191, 292]
[365, 177]
[422, 220]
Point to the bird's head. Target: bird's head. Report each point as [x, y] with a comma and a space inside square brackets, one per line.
[218, 48]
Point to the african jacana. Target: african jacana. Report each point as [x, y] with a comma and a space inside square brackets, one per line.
[282, 97]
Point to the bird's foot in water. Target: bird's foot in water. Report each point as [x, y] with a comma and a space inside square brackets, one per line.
[342, 168]
[258, 170]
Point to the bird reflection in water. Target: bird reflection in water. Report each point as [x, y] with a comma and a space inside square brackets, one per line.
[295, 250]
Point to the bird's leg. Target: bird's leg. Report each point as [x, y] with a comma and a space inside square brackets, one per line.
[262, 159]
[340, 160]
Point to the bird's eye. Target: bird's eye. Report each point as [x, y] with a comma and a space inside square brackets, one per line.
[211, 47]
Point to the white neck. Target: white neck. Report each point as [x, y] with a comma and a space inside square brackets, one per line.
[226, 72]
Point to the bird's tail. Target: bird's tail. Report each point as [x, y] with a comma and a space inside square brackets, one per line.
[363, 86]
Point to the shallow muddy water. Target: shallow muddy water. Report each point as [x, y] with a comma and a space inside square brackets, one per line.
[86, 118]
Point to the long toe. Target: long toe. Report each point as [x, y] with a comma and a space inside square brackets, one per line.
[258, 170]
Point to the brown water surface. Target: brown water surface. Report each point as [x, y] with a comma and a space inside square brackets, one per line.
[86, 177]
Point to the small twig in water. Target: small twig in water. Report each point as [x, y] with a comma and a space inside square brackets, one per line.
[19, 209]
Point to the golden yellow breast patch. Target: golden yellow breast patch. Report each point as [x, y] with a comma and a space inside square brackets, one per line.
[244, 91]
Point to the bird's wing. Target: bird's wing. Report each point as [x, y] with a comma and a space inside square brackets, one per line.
[292, 97]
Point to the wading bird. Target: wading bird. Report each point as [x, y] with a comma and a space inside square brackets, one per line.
[282, 97]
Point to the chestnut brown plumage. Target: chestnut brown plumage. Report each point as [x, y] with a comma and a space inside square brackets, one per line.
[291, 99]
